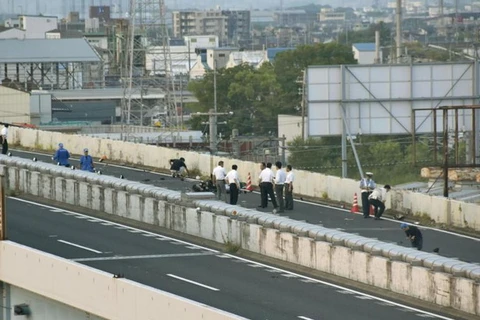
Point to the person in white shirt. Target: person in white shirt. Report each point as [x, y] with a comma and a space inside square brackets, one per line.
[234, 182]
[218, 177]
[367, 185]
[280, 178]
[266, 185]
[4, 134]
[377, 200]
[289, 188]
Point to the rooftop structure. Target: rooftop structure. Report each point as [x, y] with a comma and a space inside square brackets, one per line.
[50, 63]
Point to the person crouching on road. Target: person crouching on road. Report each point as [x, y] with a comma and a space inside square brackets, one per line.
[377, 200]
[414, 235]
[178, 168]
[234, 182]
[86, 162]
[61, 156]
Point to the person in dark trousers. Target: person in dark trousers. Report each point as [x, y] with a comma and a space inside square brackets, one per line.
[280, 179]
[266, 183]
[178, 168]
[61, 156]
[234, 182]
[367, 185]
[86, 162]
[414, 235]
[289, 188]
[263, 199]
[377, 200]
[4, 135]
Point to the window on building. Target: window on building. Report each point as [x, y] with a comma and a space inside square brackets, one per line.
[222, 55]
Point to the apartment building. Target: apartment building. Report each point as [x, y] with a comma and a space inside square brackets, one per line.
[230, 26]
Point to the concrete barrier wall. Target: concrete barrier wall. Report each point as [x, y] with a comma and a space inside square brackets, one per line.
[427, 276]
[307, 184]
[93, 291]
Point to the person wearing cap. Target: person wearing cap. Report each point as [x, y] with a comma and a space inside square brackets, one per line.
[61, 156]
[86, 161]
[367, 185]
[377, 199]
[178, 168]
[414, 235]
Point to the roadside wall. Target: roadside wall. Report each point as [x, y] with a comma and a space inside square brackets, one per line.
[426, 276]
[307, 184]
[91, 290]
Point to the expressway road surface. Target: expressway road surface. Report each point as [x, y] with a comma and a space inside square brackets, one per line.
[451, 244]
[233, 284]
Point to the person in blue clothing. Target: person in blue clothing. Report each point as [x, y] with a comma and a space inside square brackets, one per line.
[61, 156]
[86, 162]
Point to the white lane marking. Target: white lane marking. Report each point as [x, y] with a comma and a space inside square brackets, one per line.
[345, 292]
[405, 307]
[80, 217]
[134, 231]
[118, 225]
[223, 256]
[191, 247]
[92, 220]
[296, 200]
[106, 224]
[57, 210]
[251, 263]
[254, 266]
[304, 318]
[424, 315]
[287, 275]
[150, 256]
[149, 235]
[193, 282]
[79, 246]
[363, 298]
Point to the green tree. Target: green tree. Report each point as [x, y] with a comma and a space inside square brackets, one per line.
[251, 94]
[367, 35]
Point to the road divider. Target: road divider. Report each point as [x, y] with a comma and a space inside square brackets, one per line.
[425, 276]
[307, 184]
[93, 291]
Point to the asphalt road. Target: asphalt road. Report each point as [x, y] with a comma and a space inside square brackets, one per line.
[236, 285]
[451, 244]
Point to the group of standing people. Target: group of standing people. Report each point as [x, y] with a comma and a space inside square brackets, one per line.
[278, 186]
[62, 157]
[221, 179]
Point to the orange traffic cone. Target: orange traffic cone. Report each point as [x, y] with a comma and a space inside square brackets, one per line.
[249, 183]
[355, 204]
[372, 210]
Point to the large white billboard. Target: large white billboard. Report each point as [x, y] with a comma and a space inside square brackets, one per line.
[380, 99]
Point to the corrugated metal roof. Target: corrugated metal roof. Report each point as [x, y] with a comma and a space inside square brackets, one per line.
[365, 46]
[46, 50]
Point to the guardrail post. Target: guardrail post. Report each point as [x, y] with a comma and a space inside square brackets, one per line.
[3, 216]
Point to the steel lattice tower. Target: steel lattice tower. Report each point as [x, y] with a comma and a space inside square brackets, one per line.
[148, 63]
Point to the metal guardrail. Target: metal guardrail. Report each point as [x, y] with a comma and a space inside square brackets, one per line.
[338, 238]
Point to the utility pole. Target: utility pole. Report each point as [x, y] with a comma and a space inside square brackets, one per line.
[3, 215]
[445, 153]
[399, 30]
[301, 91]
[212, 122]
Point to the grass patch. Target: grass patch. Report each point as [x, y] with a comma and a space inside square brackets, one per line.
[325, 196]
[231, 247]
[12, 193]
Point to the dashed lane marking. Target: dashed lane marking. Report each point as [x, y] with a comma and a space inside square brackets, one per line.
[149, 256]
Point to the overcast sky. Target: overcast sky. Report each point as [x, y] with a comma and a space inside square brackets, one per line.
[54, 7]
